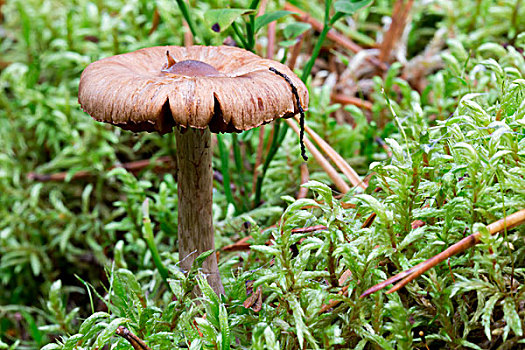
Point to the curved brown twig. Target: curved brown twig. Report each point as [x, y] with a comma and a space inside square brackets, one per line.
[467, 242]
[136, 342]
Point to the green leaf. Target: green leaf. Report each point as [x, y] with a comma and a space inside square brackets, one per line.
[196, 344]
[269, 336]
[55, 303]
[370, 335]
[129, 280]
[376, 206]
[487, 313]
[219, 20]
[293, 30]
[32, 327]
[469, 151]
[72, 342]
[212, 301]
[109, 331]
[300, 325]
[197, 263]
[466, 344]
[225, 328]
[451, 63]
[91, 320]
[35, 264]
[298, 204]
[267, 18]
[265, 249]
[323, 190]
[492, 48]
[265, 279]
[349, 7]
[396, 148]
[414, 235]
[510, 315]
[457, 49]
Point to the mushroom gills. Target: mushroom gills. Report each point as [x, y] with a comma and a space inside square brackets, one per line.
[217, 123]
[166, 122]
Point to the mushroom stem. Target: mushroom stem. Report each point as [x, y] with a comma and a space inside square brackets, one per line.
[195, 191]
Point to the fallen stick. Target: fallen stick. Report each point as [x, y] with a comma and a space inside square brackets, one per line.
[161, 164]
[322, 161]
[397, 26]
[305, 176]
[467, 242]
[350, 100]
[346, 169]
[136, 342]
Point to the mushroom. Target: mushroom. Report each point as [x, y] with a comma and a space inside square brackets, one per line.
[191, 91]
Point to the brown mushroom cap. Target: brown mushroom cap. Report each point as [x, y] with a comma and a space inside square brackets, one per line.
[238, 92]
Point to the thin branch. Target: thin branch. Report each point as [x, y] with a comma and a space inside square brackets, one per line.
[397, 27]
[294, 53]
[160, 164]
[467, 242]
[346, 169]
[303, 191]
[136, 342]
[350, 100]
[318, 26]
[322, 161]
[155, 21]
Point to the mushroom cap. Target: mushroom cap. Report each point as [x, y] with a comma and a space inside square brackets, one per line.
[135, 91]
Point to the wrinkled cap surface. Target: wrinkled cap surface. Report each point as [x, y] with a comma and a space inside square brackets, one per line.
[226, 88]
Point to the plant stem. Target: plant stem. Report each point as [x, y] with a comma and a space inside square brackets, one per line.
[239, 35]
[240, 170]
[271, 153]
[250, 27]
[317, 48]
[225, 170]
[150, 241]
[184, 9]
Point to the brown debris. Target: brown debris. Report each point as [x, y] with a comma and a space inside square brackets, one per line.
[467, 242]
[333, 35]
[240, 245]
[303, 191]
[160, 164]
[254, 301]
[350, 100]
[136, 342]
[399, 20]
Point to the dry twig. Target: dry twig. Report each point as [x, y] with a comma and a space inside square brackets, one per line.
[333, 35]
[160, 164]
[397, 26]
[321, 160]
[467, 242]
[350, 100]
[136, 342]
[350, 173]
[303, 191]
